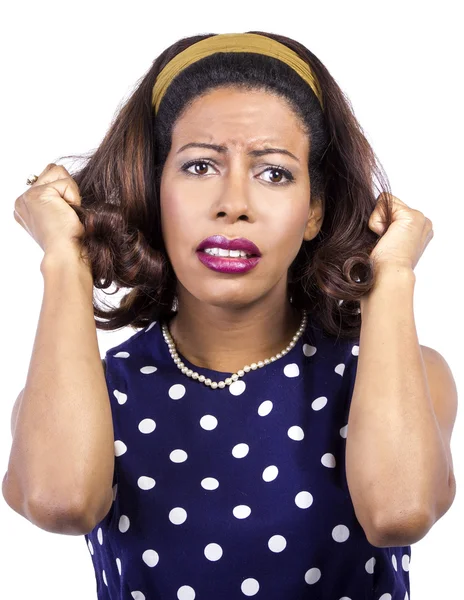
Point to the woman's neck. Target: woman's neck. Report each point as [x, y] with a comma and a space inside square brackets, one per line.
[225, 340]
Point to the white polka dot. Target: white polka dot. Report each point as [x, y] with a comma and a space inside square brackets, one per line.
[150, 558]
[138, 595]
[309, 350]
[250, 587]
[104, 578]
[115, 491]
[147, 426]
[340, 369]
[312, 575]
[270, 473]
[277, 543]
[118, 564]
[340, 533]
[209, 483]
[124, 523]
[345, 598]
[100, 536]
[328, 460]
[295, 433]
[177, 515]
[176, 391]
[178, 456]
[208, 422]
[240, 450]
[394, 562]
[122, 355]
[405, 562]
[148, 370]
[119, 448]
[369, 566]
[146, 483]
[186, 593]
[385, 597]
[90, 545]
[241, 511]
[120, 397]
[303, 499]
[237, 387]
[213, 551]
[355, 350]
[344, 431]
[265, 408]
[319, 403]
[150, 326]
[291, 370]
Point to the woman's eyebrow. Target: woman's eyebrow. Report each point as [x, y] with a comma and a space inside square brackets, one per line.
[223, 149]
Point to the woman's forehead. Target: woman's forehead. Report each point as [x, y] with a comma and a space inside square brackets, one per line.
[237, 102]
[240, 119]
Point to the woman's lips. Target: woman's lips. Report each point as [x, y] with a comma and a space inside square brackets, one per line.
[225, 264]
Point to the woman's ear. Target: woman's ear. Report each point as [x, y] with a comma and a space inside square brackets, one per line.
[315, 219]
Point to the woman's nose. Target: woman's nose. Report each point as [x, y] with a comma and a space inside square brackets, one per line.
[234, 194]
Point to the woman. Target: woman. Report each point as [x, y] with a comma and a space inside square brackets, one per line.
[233, 195]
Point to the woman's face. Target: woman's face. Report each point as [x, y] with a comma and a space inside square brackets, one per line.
[233, 193]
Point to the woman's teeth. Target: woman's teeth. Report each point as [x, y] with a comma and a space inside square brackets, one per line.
[224, 252]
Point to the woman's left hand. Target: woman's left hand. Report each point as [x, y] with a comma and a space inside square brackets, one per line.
[405, 240]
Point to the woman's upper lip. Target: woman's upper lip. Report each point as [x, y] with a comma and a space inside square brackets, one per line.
[219, 241]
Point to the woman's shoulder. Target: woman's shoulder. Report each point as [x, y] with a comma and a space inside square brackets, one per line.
[146, 346]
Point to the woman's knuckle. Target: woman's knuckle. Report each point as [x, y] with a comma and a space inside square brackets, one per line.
[20, 200]
[47, 188]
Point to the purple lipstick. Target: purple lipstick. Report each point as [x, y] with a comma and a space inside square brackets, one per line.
[228, 264]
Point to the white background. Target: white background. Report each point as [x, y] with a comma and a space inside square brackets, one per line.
[65, 69]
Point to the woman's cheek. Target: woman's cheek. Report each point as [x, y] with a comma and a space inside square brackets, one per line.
[169, 219]
[180, 237]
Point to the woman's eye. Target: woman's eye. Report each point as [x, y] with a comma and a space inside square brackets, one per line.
[202, 163]
[201, 168]
[279, 171]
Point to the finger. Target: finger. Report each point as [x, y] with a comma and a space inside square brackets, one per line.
[57, 172]
[66, 187]
[394, 199]
[53, 172]
[39, 179]
[428, 223]
[50, 173]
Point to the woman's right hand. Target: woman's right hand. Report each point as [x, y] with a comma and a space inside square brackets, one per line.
[44, 212]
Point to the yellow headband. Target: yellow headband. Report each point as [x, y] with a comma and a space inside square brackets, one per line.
[232, 42]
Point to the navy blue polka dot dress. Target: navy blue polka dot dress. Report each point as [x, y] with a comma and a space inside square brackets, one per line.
[240, 492]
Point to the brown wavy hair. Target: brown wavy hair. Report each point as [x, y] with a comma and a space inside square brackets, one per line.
[120, 181]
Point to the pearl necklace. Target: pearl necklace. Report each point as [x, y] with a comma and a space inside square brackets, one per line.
[240, 373]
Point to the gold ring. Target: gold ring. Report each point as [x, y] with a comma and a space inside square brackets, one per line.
[31, 179]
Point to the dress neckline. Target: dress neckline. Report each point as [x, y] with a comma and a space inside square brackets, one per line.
[221, 375]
